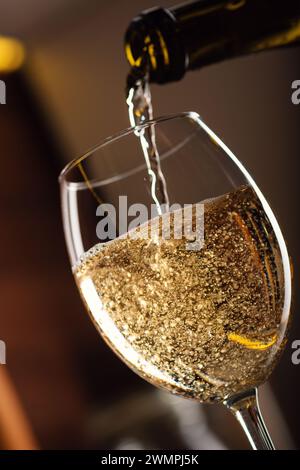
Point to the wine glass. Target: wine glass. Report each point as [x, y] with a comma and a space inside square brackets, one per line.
[194, 298]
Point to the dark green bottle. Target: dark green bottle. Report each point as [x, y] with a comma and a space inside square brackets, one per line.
[168, 42]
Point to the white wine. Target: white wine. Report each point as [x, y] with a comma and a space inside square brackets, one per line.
[140, 111]
[204, 324]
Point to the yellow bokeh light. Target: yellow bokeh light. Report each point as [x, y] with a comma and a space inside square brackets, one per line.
[12, 54]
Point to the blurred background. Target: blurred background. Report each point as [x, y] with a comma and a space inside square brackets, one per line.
[65, 78]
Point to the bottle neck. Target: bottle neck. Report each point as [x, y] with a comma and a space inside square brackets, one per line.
[223, 30]
[168, 42]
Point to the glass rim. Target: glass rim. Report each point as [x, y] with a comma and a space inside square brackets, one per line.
[123, 133]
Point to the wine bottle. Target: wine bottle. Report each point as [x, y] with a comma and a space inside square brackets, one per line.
[169, 42]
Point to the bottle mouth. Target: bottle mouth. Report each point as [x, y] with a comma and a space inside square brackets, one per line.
[151, 45]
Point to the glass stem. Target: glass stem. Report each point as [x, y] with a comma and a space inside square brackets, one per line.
[245, 408]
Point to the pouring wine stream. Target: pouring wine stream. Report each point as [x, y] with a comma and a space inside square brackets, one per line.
[140, 111]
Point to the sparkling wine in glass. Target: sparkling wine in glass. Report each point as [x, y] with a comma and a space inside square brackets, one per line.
[195, 298]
